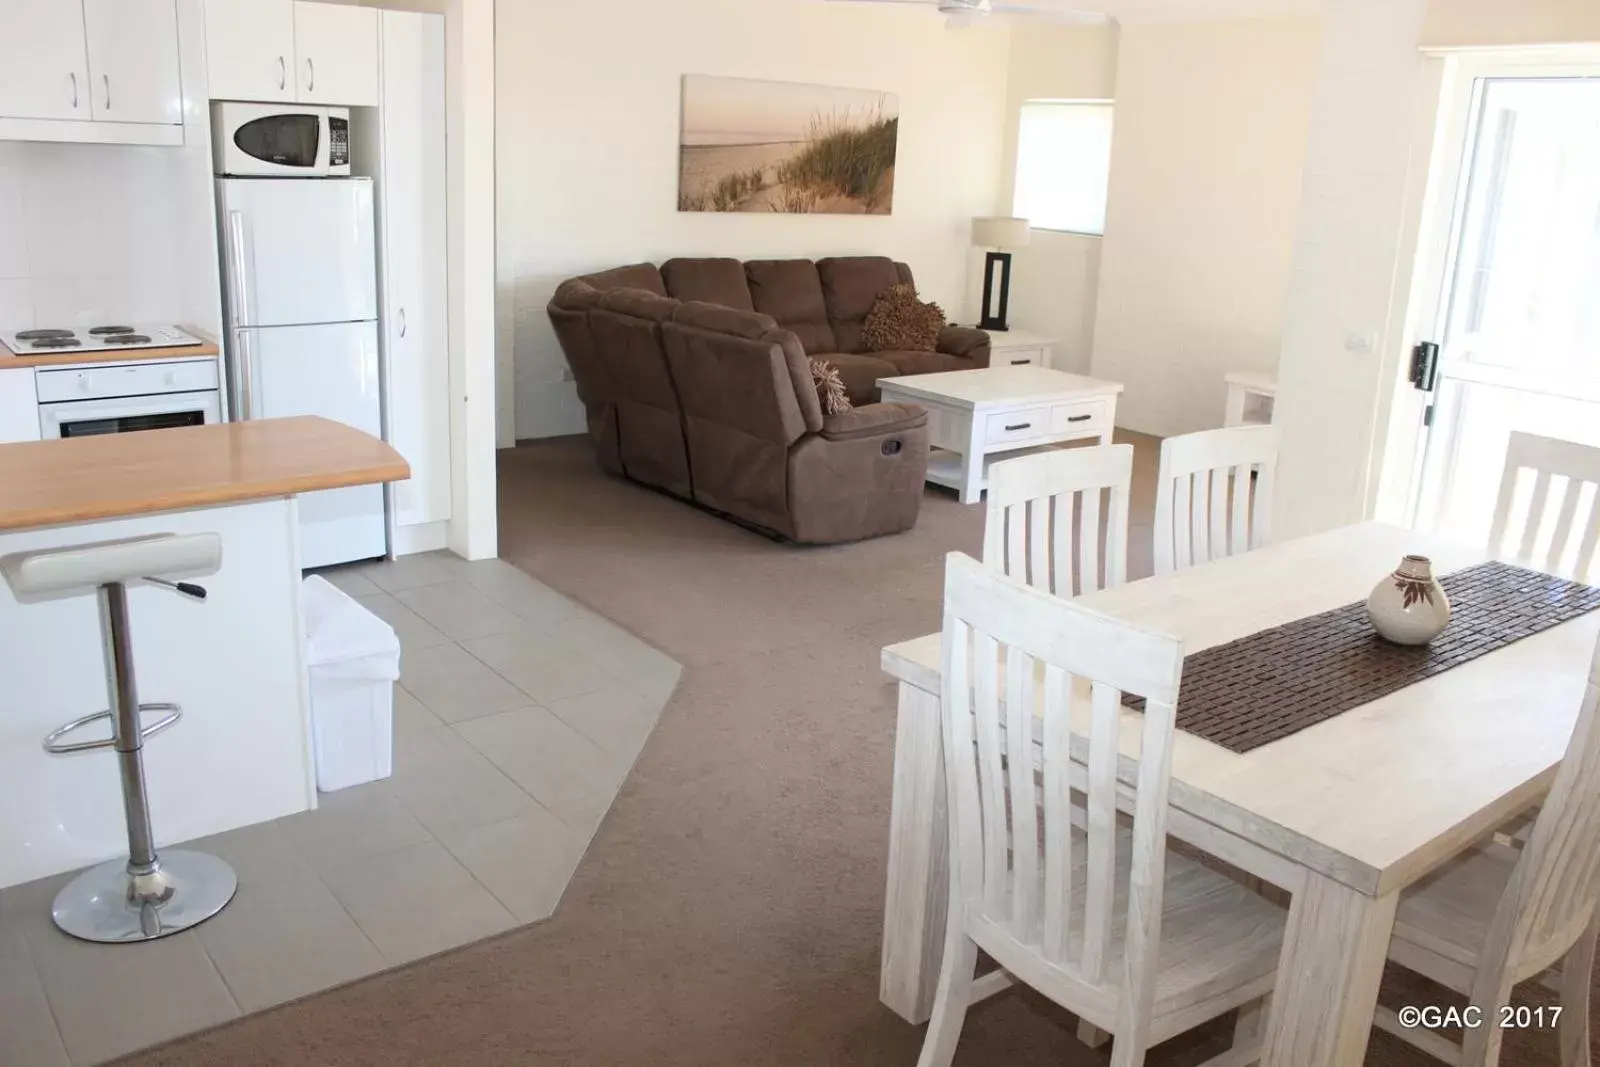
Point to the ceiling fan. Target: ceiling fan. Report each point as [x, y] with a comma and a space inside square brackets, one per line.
[971, 12]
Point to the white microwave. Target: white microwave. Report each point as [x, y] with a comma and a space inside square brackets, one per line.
[280, 140]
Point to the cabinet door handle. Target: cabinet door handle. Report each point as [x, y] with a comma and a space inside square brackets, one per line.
[106, 78]
[283, 73]
[1080, 418]
[1020, 362]
[1019, 426]
[74, 76]
[402, 322]
[311, 75]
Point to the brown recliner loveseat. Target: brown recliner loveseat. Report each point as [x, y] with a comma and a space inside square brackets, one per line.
[695, 379]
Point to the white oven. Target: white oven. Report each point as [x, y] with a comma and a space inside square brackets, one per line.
[126, 397]
[280, 140]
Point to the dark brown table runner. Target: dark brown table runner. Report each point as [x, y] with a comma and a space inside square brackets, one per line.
[1271, 684]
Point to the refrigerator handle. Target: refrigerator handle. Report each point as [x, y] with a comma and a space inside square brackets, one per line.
[245, 370]
[236, 267]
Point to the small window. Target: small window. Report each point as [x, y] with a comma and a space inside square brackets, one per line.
[1063, 162]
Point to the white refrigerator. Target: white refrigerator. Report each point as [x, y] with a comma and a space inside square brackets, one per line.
[300, 274]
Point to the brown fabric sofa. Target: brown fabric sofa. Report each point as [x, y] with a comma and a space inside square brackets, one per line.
[695, 379]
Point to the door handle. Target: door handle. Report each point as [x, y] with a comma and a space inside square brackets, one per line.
[1425, 366]
[283, 73]
[74, 76]
[106, 78]
[311, 75]
[236, 265]
[402, 322]
[245, 370]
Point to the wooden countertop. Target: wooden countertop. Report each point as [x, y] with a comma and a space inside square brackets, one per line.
[79, 479]
[59, 358]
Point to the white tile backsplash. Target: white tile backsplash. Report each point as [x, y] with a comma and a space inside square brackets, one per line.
[90, 233]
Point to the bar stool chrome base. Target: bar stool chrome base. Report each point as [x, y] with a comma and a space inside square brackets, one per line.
[110, 904]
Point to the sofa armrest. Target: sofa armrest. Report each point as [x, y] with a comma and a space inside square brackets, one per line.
[873, 420]
[964, 341]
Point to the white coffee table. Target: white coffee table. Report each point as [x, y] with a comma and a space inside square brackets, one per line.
[977, 414]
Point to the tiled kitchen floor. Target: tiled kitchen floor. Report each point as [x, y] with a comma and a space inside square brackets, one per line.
[517, 717]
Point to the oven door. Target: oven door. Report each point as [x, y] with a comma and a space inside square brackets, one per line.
[253, 140]
[129, 414]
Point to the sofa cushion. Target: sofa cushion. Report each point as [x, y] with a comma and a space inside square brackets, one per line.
[634, 276]
[750, 325]
[790, 291]
[923, 362]
[831, 393]
[639, 302]
[899, 322]
[714, 281]
[850, 286]
[860, 374]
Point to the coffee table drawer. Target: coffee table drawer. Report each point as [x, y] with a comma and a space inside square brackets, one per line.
[1020, 426]
[1083, 416]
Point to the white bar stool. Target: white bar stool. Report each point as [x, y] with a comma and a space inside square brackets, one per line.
[146, 896]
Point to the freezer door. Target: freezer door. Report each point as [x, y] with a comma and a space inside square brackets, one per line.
[298, 251]
[330, 371]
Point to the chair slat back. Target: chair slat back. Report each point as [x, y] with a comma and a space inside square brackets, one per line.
[1559, 528]
[1207, 504]
[1044, 522]
[1017, 662]
[1552, 895]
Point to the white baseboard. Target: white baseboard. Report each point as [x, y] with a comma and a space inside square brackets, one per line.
[426, 537]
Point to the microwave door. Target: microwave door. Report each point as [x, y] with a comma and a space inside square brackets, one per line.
[298, 252]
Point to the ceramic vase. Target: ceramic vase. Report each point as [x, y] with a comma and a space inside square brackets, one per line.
[1409, 607]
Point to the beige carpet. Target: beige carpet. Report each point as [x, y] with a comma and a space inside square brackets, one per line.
[728, 913]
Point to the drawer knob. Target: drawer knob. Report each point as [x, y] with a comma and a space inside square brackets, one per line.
[1019, 426]
[1080, 418]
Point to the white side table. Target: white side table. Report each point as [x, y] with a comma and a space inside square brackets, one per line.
[975, 416]
[1250, 399]
[1014, 348]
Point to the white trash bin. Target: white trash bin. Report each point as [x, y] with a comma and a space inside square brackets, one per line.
[352, 660]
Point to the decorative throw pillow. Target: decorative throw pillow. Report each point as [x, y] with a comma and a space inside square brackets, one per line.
[899, 322]
[830, 388]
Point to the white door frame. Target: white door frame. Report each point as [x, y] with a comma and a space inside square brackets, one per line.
[1432, 219]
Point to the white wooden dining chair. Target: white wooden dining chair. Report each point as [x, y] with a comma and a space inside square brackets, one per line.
[1554, 528]
[1496, 916]
[1136, 940]
[1559, 528]
[1043, 525]
[1208, 505]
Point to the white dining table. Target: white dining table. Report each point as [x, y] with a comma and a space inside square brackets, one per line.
[1343, 815]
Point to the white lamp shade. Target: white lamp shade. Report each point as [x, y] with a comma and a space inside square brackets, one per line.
[1000, 233]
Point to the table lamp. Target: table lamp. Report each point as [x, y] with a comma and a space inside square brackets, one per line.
[1003, 234]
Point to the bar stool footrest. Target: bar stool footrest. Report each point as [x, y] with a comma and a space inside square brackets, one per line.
[57, 746]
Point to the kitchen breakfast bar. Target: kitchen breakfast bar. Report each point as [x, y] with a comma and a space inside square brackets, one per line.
[233, 661]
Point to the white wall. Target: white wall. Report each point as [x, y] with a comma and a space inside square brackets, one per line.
[1211, 128]
[588, 108]
[1474, 23]
[1055, 278]
[94, 233]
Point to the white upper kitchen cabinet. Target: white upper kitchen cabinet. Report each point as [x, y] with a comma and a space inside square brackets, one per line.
[250, 49]
[45, 73]
[133, 60]
[19, 406]
[336, 54]
[409, 164]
